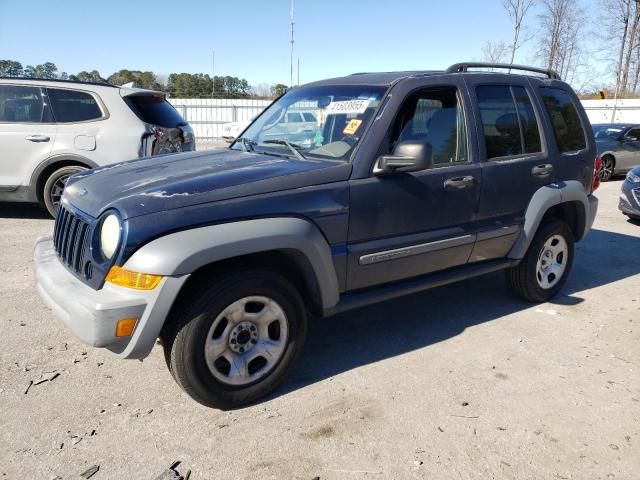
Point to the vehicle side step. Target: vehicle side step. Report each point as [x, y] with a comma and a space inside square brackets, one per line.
[370, 296]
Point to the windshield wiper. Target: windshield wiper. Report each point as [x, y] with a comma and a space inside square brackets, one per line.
[247, 143]
[292, 146]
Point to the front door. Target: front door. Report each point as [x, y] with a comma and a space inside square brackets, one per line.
[27, 133]
[409, 224]
[629, 155]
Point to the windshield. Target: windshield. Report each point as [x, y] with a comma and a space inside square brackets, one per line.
[317, 122]
[607, 132]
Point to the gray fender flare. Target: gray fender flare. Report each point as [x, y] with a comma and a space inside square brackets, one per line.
[184, 252]
[543, 199]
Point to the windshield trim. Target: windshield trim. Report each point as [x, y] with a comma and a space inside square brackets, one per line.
[384, 89]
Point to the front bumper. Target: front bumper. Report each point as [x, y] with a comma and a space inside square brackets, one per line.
[629, 200]
[92, 315]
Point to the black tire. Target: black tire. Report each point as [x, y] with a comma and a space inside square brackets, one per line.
[188, 327]
[608, 168]
[523, 278]
[52, 190]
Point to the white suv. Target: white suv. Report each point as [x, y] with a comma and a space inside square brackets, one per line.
[51, 129]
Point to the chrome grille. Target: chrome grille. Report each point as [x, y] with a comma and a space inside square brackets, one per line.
[70, 237]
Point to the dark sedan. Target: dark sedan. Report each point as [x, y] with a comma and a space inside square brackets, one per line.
[630, 195]
[619, 146]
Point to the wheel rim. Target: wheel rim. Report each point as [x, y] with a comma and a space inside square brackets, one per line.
[58, 188]
[246, 340]
[552, 261]
[607, 169]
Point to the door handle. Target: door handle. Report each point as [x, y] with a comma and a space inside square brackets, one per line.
[37, 138]
[459, 183]
[542, 170]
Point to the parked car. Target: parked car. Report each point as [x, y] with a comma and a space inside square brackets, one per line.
[619, 146]
[52, 129]
[414, 180]
[231, 130]
[630, 194]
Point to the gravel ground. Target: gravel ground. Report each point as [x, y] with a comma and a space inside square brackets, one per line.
[463, 381]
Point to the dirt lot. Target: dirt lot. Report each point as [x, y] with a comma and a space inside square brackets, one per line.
[463, 381]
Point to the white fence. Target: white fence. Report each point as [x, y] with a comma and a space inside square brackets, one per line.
[600, 111]
[206, 115]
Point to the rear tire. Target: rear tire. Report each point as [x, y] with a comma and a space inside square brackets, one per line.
[546, 266]
[608, 168]
[234, 339]
[54, 186]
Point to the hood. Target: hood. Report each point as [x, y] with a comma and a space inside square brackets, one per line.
[154, 184]
[605, 144]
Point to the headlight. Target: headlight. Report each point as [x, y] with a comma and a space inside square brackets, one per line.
[109, 235]
[633, 178]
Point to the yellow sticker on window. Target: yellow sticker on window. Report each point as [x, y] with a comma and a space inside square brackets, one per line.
[352, 126]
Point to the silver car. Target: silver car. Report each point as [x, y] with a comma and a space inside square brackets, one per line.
[52, 129]
[618, 145]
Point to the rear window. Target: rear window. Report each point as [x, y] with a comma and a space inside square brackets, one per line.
[155, 110]
[564, 119]
[73, 106]
[508, 121]
[22, 105]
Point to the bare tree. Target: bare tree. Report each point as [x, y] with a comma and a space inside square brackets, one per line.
[517, 10]
[620, 31]
[561, 25]
[495, 52]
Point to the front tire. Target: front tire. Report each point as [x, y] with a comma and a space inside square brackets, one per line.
[54, 186]
[546, 266]
[235, 339]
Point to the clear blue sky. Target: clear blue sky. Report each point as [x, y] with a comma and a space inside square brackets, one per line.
[250, 38]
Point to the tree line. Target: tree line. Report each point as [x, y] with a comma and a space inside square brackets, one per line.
[569, 37]
[176, 85]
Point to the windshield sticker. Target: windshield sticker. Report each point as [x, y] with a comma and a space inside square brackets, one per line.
[352, 127]
[347, 107]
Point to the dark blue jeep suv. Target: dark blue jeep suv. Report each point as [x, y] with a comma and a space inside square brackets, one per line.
[407, 181]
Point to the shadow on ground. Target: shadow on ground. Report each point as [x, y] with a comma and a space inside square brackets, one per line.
[374, 333]
[23, 210]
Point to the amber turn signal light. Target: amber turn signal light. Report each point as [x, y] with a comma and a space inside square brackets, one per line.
[139, 281]
[125, 327]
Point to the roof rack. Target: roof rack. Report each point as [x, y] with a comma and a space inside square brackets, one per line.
[19, 79]
[464, 67]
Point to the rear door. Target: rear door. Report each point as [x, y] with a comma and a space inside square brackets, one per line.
[78, 116]
[27, 133]
[514, 160]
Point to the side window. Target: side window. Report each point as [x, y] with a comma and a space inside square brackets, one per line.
[294, 118]
[508, 121]
[435, 116]
[22, 105]
[566, 124]
[73, 106]
[309, 117]
[634, 133]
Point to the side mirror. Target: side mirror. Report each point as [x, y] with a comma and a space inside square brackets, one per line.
[409, 156]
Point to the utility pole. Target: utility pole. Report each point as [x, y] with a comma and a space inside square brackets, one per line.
[292, 16]
[213, 73]
[298, 82]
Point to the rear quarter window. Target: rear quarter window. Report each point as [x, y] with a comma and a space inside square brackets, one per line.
[73, 106]
[565, 121]
[154, 109]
